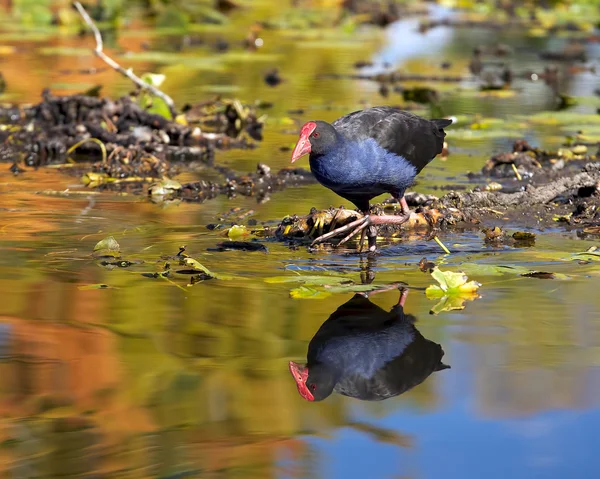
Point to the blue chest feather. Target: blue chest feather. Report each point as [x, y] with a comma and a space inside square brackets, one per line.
[362, 167]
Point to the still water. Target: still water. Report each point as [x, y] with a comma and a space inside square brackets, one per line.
[147, 378]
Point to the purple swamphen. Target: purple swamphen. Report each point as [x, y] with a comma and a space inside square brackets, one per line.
[367, 153]
[365, 352]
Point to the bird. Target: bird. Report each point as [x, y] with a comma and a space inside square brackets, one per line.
[367, 153]
[365, 352]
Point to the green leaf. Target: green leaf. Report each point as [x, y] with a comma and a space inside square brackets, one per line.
[452, 303]
[108, 247]
[355, 288]
[36, 15]
[237, 231]
[451, 283]
[64, 51]
[310, 280]
[545, 275]
[173, 17]
[154, 79]
[154, 104]
[491, 270]
[586, 256]
[196, 266]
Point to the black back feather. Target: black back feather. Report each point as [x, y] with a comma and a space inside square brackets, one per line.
[417, 139]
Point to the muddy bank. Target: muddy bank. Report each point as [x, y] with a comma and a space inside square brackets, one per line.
[124, 138]
[259, 184]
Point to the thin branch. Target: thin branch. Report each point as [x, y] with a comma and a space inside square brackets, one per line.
[113, 64]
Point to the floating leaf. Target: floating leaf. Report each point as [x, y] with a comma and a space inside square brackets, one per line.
[190, 61]
[242, 246]
[310, 280]
[586, 256]
[164, 187]
[108, 247]
[94, 286]
[452, 303]
[356, 288]
[196, 267]
[304, 292]
[64, 51]
[237, 231]
[491, 270]
[544, 275]
[451, 283]
[92, 179]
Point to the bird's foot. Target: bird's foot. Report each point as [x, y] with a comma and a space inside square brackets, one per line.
[354, 227]
[367, 224]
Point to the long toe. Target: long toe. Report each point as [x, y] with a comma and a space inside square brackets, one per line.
[343, 229]
[354, 232]
[390, 219]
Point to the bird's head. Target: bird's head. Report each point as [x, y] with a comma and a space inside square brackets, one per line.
[313, 385]
[315, 137]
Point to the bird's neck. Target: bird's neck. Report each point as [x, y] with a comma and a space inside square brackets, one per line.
[329, 163]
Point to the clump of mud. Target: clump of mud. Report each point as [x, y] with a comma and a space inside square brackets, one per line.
[125, 139]
[259, 184]
[529, 162]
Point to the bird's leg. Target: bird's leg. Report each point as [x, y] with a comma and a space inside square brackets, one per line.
[403, 296]
[402, 286]
[372, 237]
[393, 219]
[369, 221]
[368, 231]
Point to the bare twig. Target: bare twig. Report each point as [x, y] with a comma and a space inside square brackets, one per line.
[113, 64]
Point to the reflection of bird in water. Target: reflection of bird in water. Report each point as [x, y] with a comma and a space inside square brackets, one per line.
[365, 352]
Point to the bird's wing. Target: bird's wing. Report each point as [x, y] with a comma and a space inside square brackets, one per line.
[414, 138]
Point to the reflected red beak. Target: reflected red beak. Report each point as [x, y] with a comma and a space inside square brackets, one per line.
[303, 146]
[300, 375]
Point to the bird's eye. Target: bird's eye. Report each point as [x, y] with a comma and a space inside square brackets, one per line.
[313, 386]
[316, 134]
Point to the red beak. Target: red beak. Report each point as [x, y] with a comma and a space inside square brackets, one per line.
[300, 375]
[303, 146]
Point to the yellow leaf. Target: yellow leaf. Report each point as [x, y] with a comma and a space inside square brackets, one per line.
[237, 231]
[451, 283]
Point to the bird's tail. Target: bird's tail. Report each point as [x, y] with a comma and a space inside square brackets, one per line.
[441, 123]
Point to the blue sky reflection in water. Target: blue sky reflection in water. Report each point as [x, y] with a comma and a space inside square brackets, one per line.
[455, 443]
